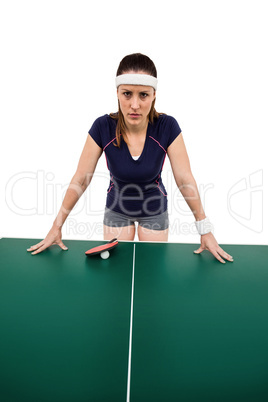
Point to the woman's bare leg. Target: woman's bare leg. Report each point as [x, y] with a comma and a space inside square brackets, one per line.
[123, 233]
[152, 235]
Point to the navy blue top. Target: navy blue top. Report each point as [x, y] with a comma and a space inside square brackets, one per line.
[136, 187]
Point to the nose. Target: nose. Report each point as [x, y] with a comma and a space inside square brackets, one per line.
[135, 103]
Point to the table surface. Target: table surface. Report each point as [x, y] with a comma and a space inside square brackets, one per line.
[154, 322]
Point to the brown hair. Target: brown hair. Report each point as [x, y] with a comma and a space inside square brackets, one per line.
[133, 62]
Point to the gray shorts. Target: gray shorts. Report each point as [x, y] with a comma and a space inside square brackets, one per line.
[156, 222]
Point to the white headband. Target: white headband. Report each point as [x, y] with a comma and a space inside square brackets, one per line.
[136, 79]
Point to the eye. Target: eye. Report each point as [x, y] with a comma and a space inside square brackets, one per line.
[144, 94]
[126, 93]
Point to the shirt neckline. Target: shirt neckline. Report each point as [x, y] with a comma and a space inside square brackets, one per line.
[144, 146]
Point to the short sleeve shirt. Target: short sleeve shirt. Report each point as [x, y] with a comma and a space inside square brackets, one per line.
[136, 187]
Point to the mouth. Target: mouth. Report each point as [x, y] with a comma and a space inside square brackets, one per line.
[134, 115]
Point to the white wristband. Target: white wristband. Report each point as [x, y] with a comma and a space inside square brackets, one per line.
[204, 226]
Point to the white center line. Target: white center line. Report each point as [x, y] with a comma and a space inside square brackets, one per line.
[130, 330]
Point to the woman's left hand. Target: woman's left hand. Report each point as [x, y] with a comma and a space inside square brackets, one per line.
[208, 242]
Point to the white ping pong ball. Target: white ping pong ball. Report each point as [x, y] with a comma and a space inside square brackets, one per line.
[105, 254]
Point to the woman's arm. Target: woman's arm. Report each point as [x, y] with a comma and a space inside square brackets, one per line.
[81, 179]
[79, 183]
[183, 176]
[186, 183]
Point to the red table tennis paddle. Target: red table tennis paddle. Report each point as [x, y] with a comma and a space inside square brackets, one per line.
[103, 249]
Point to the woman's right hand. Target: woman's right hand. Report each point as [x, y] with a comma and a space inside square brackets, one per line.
[53, 237]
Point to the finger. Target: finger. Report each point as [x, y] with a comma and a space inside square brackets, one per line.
[35, 246]
[62, 246]
[225, 255]
[217, 255]
[40, 249]
[199, 250]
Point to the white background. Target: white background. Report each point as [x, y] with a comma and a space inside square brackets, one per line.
[58, 64]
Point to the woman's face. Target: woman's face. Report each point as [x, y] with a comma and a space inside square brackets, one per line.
[135, 103]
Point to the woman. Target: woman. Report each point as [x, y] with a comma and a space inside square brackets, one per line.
[135, 141]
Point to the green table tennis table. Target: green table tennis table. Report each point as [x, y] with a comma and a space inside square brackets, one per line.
[154, 322]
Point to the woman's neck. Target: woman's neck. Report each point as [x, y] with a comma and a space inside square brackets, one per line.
[138, 130]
